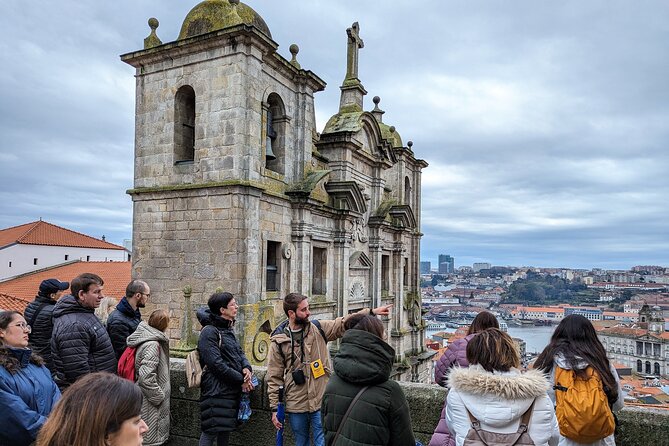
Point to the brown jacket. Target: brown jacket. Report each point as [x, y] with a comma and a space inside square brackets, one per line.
[308, 396]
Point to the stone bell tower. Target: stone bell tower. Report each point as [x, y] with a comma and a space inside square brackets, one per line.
[235, 189]
[209, 203]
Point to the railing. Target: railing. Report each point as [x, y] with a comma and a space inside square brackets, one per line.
[639, 425]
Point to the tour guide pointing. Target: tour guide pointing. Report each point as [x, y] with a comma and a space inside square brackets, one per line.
[299, 360]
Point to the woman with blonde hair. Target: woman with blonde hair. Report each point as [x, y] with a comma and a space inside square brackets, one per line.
[493, 398]
[107, 305]
[152, 368]
[99, 409]
[27, 391]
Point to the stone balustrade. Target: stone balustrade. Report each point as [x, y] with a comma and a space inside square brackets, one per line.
[639, 426]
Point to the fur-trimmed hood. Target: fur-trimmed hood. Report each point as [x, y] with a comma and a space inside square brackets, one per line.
[511, 385]
[497, 398]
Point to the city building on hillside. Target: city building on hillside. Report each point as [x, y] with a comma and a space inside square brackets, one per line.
[38, 245]
[592, 314]
[425, 267]
[480, 266]
[235, 188]
[538, 313]
[641, 286]
[446, 264]
[644, 347]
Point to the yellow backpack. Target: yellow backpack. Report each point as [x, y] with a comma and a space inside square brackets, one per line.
[581, 406]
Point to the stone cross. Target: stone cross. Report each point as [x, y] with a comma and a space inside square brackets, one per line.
[354, 44]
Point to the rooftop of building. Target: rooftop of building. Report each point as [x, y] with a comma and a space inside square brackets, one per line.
[12, 303]
[47, 234]
[116, 276]
[631, 331]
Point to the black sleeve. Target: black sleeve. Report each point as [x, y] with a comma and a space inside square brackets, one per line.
[210, 355]
[118, 333]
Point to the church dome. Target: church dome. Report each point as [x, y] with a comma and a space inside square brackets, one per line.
[212, 15]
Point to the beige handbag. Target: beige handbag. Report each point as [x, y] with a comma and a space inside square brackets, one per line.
[479, 437]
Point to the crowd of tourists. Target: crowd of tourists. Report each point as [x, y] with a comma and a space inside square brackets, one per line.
[83, 369]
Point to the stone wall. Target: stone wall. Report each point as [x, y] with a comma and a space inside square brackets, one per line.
[638, 426]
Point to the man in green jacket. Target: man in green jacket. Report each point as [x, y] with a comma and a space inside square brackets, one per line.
[299, 360]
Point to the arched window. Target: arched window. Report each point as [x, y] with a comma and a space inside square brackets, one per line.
[276, 122]
[184, 125]
[656, 369]
[647, 367]
[407, 191]
[639, 366]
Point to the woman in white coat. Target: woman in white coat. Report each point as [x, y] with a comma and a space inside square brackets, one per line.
[494, 392]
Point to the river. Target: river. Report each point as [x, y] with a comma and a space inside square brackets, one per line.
[536, 338]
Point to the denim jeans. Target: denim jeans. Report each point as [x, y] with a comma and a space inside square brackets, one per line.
[221, 439]
[300, 423]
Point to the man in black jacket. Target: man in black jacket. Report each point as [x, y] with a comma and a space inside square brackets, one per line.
[38, 315]
[80, 344]
[124, 320]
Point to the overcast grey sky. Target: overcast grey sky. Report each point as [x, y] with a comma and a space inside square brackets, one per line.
[545, 123]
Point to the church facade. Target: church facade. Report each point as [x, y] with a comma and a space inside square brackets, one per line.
[235, 189]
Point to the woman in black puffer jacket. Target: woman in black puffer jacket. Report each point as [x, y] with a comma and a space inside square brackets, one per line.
[380, 417]
[226, 371]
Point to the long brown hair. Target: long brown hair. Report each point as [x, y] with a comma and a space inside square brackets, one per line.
[482, 321]
[576, 340]
[90, 410]
[493, 350]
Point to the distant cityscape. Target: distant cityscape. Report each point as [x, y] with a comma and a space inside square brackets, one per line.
[629, 309]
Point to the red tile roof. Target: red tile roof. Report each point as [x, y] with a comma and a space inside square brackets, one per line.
[623, 331]
[115, 274]
[8, 302]
[43, 233]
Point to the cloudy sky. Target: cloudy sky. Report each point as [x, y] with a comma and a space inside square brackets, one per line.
[545, 123]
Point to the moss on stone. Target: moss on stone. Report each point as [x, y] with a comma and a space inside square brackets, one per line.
[349, 119]
[384, 207]
[309, 182]
[195, 186]
[393, 138]
[213, 15]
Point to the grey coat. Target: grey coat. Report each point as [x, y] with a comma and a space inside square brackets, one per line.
[152, 366]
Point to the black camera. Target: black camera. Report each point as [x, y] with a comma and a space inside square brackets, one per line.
[298, 377]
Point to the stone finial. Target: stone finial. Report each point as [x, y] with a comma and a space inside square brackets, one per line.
[377, 112]
[233, 16]
[152, 40]
[392, 129]
[409, 144]
[294, 49]
[376, 100]
[188, 340]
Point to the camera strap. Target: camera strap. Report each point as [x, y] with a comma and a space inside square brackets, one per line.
[292, 347]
